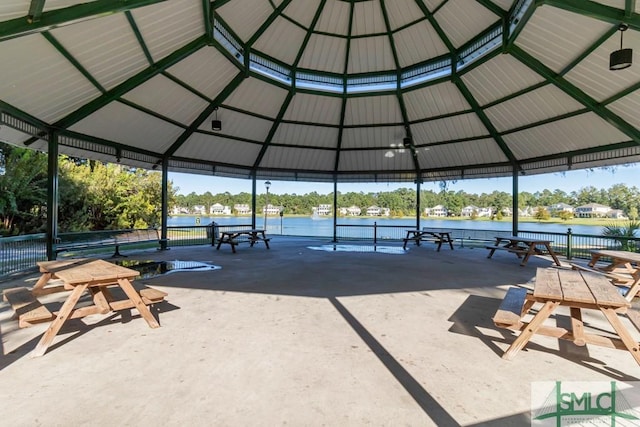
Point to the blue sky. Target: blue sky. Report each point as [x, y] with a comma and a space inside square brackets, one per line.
[568, 182]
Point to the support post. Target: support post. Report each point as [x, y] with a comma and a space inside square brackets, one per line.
[165, 204]
[253, 200]
[514, 204]
[335, 209]
[52, 194]
[418, 182]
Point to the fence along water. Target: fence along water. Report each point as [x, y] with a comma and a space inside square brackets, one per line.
[19, 254]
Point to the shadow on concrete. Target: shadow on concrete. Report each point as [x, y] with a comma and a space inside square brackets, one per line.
[428, 404]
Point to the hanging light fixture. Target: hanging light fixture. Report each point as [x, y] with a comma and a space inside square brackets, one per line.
[216, 124]
[621, 59]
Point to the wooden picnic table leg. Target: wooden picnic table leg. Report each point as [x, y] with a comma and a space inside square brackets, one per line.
[634, 288]
[632, 345]
[493, 250]
[220, 242]
[406, 240]
[265, 240]
[42, 281]
[61, 318]
[530, 251]
[594, 260]
[530, 329]
[553, 255]
[577, 326]
[133, 295]
[450, 240]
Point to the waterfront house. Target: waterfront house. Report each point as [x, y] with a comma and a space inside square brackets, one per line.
[242, 209]
[199, 210]
[373, 211]
[271, 209]
[218, 209]
[556, 208]
[323, 209]
[438, 210]
[616, 214]
[468, 211]
[351, 211]
[592, 210]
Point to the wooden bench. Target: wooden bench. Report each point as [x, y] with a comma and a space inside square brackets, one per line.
[438, 236]
[30, 311]
[512, 307]
[235, 237]
[27, 308]
[150, 296]
[441, 236]
[475, 238]
[105, 238]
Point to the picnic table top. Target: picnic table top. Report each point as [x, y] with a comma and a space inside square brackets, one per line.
[86, 270]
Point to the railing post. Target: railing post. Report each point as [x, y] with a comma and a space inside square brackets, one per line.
[375, 232]
[569, 243]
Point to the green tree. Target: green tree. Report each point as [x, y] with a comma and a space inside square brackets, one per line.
[565, 215]
[23, 186]
[541, 214]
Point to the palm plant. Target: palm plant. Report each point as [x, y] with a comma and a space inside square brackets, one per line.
[624, 234]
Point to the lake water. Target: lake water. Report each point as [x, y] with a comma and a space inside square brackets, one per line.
[306, 226]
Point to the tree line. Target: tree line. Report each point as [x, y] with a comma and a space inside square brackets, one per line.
[92, 195]
[95, 195]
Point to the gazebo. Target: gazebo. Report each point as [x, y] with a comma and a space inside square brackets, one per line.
[324, 90]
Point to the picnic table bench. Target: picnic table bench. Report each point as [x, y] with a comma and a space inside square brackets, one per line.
[577, 290]
[623, 269]
[431, 235]
[235, 237]
[523, 247]
[103, 280]
[78, 241]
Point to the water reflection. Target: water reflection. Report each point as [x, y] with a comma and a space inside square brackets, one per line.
[394, 250]
[150, 269]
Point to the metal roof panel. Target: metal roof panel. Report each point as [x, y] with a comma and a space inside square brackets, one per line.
[42, 83]
[574, 133]
[306, 136]
[119, 56]
[462, 20]
[372, 110]
[435, 100]
[168, 99]
[498, 78]
[531, 107]
[167, 26]
[302, 158]
[257, 96]
[314, 109]
[126, 125]
[195, 70]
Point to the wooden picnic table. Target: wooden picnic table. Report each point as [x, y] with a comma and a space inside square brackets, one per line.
[230, 237]
[418, 235]
[523, 247]
[578, 290]
[79, 276]
[624, 268]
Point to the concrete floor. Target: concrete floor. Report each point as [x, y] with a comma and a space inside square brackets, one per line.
[300, 337]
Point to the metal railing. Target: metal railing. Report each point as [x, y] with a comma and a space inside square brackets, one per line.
[21, 253]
